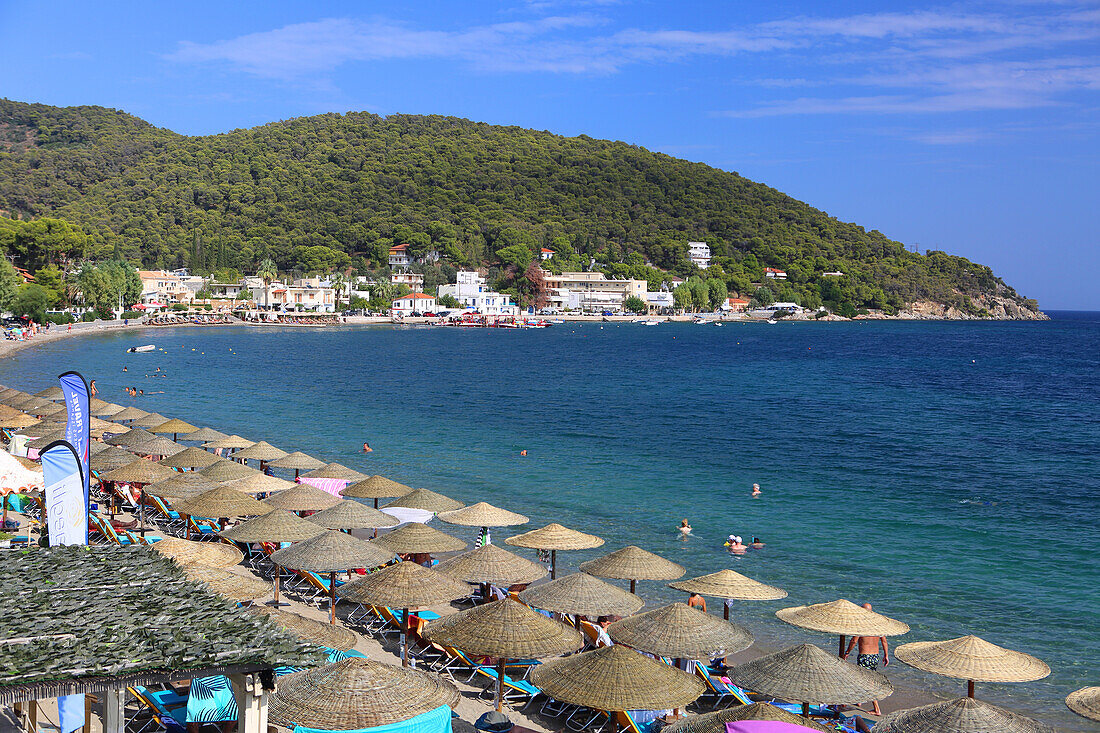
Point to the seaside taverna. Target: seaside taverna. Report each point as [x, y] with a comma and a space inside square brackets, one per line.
[230, 583]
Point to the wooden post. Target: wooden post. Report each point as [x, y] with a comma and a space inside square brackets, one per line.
[404, 637]
[114, 711]
[332, 597]
[500, 685]
[553, 564]
[805, 710]
[632, 584]
[251, 697]
[970, 688]
[841, 652]
[725, 609]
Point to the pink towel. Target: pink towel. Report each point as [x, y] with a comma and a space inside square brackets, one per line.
[332, 485]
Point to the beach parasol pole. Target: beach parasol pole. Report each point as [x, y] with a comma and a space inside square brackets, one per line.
[500, 684]
[553, 564]
[332, 597]
[970, 688]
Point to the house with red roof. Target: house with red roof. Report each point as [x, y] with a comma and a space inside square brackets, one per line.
[774, 273]
[406, 305]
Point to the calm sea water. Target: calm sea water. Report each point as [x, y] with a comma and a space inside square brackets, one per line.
[946, 472]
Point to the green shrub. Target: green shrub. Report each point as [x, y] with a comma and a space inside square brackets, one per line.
[179, 307]
[132, 314]
[60, 319]
[88, 317]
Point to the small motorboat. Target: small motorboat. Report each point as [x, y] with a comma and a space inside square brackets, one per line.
[141, 349]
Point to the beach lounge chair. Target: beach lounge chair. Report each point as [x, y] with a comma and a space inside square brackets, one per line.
[101, 526]
[720, 688]
[170, 518]
[162, 710]
[202, 527]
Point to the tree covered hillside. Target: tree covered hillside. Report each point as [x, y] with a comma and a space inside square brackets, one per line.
[336, 191]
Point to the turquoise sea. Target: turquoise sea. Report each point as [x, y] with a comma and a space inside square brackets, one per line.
[946, 472]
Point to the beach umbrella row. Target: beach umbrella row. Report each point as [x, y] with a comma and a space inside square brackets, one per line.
[554, 537]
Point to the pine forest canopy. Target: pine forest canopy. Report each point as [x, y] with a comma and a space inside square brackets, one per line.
[330, 192]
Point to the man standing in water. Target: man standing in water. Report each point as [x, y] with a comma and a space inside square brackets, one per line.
[868, 654]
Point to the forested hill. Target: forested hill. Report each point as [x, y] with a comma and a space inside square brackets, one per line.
[334, 191]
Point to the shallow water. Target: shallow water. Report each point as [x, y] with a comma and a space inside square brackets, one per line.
[946, 472]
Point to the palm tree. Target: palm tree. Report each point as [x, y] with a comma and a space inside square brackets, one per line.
[338, 281]
[267, 273]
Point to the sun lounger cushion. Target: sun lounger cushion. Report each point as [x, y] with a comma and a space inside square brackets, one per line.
[211, 700]
[433, 721]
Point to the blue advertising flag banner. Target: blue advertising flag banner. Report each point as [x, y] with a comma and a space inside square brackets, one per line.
[77, 430]
[67, 522]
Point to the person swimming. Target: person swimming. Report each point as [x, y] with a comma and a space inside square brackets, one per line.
[757, 543]
[735, 545]
[756, 490]
[685, 529]
[367, 448]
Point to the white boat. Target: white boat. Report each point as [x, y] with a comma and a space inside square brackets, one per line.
[650, 323]
[772, 321]
[557, 321]
[141, 349]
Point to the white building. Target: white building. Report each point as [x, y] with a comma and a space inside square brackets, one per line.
[406, 305]
[158, 286]
[471, 290]
[659, 300]
[399, 256]
[307, 294]
[774, 273]
[546, 254]
[591, 292]
[414, 280]
[699, 253]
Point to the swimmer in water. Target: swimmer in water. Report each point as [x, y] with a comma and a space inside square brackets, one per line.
[756, 490]
[734, 545]
[123, 368]
[685, 529]
[367, 448]
[523, 452]
[757, 543]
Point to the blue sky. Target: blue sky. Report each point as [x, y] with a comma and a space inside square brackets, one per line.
[970, 127]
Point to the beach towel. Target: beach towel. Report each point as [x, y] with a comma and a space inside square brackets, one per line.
[211, 700]
[433, 721]
[764, 726]
[332, 485]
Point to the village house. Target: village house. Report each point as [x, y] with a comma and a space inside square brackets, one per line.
[699, 253]
[591, 292]
[414, 280]
[471, 290]
[774, 273]
[412, 303]
[399, 256]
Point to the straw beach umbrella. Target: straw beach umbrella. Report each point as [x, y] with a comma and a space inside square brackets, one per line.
[190, 457]
[806, 674]
[181, 486]
[221, 503]
[337, 638]
[275, 526]
[19, 420]
[375, 487]
[205, 554]
[350, 514]
[842, 617]
[110, 459]
[231, 442]
[336, 471]
[681, 632]
[131, 437]
[156, 446]
[583, 595]
[491, 565]
[128, 414]
[633, 563]
[616, 679]
[1085, 702]
[972, 659]
[205, 435]
[175, 427]
[417, 538]
[358, 693]
[55, 410]
[404, 585]
[554, 537]
[331, 552]
[716, 722]
[729, 585]
[427, 500]
[105, 410]
[297, 461]
[962, 715]
[225, 470]
[240, 588]
[484, 515]
[260, 483]
[53, 394]
[302, 498]
[504, 630]
[149, 421]
[139, 471]
[262, 451]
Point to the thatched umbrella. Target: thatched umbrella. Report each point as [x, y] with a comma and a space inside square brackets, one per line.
[225, 470]
[716, 722]
[491, 565]
[129, 413]
[96, 403]
[583, 595]
[331, 552]
[149, 421]
[175, 427]
[504, 629]
[633, 563]
[110, 459]
[133, 436]
[404, 585]
[298, 461]
[262, 451]
[19, 420]
[190, 457]
[337, 638]
[139, 471]
[231, 442]
[55, 410]
[375, 487]
[220, 503]
[842, 617]
[8, 411]
[205, 435]
[302, 498]
[1085, 702]
[336, 471]
[54, 394]
[484, 515]
[47, 438]
[616, 679]
[962, 715]
[727, 584]
[429, 501]
[236, 587]
[98, 446]
[260, 483]
[417, 538]
[181, 486]
[357, 693]
[681, 632]
[806, 674]
[275, 526]
[205, 554]
[972, 659]
[105, 410]
[350, 514]
[156, 446]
